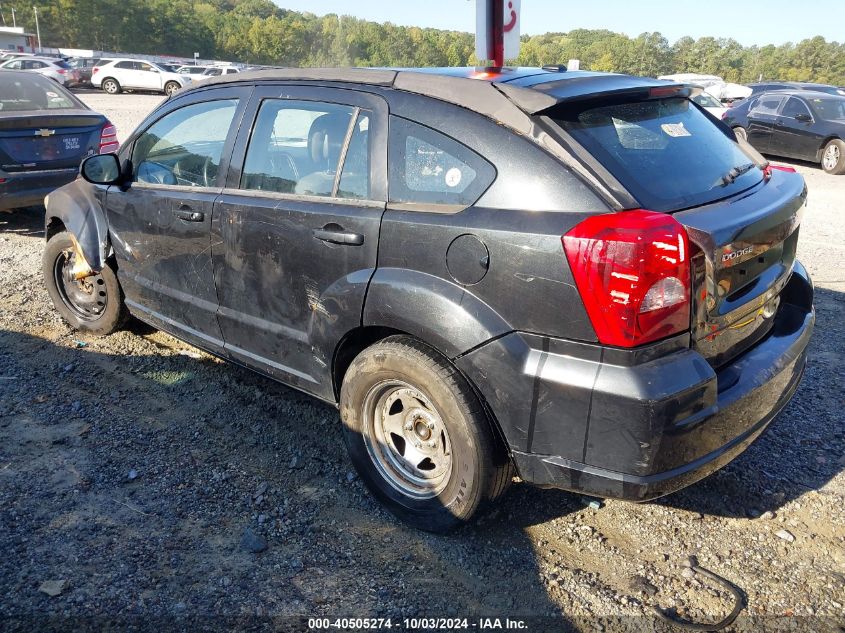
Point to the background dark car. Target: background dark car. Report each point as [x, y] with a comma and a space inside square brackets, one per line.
[84, 65]
[45, 132]
[769, 86]
[796, 124]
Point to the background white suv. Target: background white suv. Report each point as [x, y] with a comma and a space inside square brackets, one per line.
[137, 74]
[56, 69]
[216, 71]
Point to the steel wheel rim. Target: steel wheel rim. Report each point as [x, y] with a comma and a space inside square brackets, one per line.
[407, 440]
[86, 298]
[170, 89]
[831, 157]
[110, 87]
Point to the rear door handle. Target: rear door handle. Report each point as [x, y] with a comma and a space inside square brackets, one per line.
[338, 236]
[185, 213]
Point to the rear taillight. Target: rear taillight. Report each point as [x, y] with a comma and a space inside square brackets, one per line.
[724, 115]
[61, 71]
[95, 70]
[108, 139]
[632, 271]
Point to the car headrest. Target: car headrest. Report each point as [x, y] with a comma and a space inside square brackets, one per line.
[325, 139]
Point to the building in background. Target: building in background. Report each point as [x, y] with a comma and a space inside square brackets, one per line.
[13, 38]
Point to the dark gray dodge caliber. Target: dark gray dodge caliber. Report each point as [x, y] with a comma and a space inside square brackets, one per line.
[581, 278]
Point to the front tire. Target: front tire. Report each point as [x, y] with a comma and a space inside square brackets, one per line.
[418, 436]
[171, 87]
[111, 86]
[94, 304]
[833, 157]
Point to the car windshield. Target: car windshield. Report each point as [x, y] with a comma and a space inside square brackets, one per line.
[706, 100]
[665, 152]
[829, 109]
[33, 92]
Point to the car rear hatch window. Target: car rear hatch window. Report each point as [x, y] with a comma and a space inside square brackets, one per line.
[672, 158]
[665, 152]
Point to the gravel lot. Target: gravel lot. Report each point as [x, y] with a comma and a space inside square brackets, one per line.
[138, 473]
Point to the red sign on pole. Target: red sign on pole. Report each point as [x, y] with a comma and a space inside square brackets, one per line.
[497, 30]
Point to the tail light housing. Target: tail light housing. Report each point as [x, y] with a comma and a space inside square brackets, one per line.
[95, 70]
[61, 71]
[633, 273]
[108, 139]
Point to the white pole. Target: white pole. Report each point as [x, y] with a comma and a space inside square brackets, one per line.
[14, 21]
[37, 28]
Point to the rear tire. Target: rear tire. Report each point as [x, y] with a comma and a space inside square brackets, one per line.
[94, 304]
[741, 134]
[418, 436]
[833, 157]
[171, 87]
[111, 86]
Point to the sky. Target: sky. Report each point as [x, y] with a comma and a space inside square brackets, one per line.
[761, 22]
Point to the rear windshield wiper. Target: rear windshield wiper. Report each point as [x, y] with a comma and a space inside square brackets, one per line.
[736, 172]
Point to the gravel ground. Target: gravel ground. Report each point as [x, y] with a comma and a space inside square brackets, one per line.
[139, 477]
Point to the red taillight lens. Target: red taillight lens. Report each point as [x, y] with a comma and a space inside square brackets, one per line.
[61, 71]
[108, 139]
[724, 115]
[633, 273]
[95, 70]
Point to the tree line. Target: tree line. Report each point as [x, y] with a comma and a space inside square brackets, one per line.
[260, 32]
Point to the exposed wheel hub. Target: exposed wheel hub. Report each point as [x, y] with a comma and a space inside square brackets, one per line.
[85, 297]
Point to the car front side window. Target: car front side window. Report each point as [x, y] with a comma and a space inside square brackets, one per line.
[184, 147]
[296, 147]
[794, 108]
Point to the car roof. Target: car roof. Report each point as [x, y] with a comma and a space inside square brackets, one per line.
[801, 94]
[485, 90]
[32, 58]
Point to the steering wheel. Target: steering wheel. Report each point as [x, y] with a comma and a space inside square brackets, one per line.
[209, 172]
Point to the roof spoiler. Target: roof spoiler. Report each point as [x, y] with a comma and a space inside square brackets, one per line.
[542, 97]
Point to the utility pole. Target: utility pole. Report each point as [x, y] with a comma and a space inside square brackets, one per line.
[37, 28]
[14, 21]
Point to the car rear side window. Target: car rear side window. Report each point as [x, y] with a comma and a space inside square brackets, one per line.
[184, 146]
[427, 167]
[665, 152]
[296, 148]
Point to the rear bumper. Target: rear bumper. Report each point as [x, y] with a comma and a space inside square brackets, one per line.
[643, 424]
[28, 188]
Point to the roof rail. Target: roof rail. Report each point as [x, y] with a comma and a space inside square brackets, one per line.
[558, 68]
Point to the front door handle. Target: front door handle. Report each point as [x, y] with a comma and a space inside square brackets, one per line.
[186, 214]
[338, 236]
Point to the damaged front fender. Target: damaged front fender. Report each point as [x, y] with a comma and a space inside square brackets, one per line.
[80, 207]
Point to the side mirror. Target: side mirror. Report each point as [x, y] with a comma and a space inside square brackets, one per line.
[803, 117]
[101, 169]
